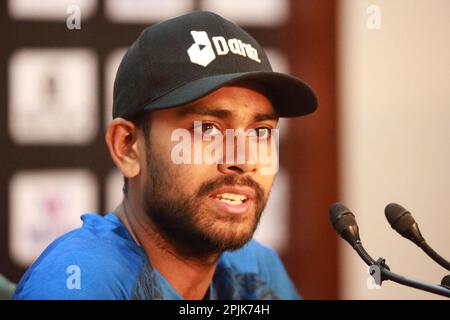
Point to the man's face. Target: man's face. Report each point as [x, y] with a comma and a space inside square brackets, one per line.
[207, 208]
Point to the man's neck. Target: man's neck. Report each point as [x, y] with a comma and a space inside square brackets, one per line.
[190, 277]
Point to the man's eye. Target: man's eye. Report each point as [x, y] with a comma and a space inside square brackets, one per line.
[210, 129]
[263, 132]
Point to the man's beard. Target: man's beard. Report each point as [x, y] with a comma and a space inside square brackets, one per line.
[183, 222]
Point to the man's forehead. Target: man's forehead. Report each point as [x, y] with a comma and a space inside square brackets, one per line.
[233, 100]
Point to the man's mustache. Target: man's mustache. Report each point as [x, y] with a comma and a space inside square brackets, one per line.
[231, 180]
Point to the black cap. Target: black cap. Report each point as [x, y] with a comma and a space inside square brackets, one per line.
[185, 58]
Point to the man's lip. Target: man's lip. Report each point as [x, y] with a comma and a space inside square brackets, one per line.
[249, 193]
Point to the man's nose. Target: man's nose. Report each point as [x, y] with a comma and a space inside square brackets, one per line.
[241, 169]
[241, 157]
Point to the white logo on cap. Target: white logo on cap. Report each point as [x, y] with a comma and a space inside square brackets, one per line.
[201, 52]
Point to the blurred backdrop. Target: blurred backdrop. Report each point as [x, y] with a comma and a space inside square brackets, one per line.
[381, 70]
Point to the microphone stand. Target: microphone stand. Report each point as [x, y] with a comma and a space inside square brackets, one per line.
[386, 274]
[434, 255]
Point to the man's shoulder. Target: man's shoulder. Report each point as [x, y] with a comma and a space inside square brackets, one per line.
[96, 261]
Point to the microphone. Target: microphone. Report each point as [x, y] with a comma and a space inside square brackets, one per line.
[402, 221]
[344, 222]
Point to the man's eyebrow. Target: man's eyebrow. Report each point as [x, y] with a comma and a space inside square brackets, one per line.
[222, 113]
[265, 116]
[205, 111]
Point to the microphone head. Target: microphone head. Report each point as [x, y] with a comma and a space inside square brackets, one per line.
[344, 222]
[336, 211]
[394, 212]
[402, 221]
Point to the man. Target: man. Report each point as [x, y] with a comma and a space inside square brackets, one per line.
[185, 225]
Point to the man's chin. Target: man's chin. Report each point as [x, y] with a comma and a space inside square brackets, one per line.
[229, 235]
[222, 245]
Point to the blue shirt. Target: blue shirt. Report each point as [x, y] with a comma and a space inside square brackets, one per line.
[101, 260]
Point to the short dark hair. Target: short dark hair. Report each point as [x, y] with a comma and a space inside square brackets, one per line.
[141, 122]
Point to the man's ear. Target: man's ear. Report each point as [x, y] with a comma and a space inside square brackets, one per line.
[122, 140]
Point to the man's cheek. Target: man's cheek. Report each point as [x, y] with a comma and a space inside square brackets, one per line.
[180, 147]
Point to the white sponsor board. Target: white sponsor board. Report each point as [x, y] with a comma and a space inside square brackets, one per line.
[146, 11]
[49, 9]
[53, 96]
[44, 205]
[264, 13]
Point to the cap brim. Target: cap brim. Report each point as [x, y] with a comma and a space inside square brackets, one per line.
[290, 96]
